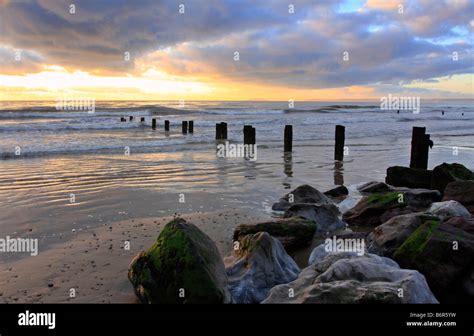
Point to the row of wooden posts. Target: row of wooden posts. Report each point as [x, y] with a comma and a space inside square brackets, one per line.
[420, 141]
[186, 126]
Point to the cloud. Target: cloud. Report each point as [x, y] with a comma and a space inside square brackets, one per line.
[303, 49]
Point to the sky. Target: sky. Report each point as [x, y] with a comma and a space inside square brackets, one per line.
[236, 50]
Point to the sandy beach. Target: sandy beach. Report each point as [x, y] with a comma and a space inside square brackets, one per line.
[95, 263]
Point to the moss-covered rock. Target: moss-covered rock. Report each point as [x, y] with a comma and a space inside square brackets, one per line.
[183, 266]
[398, 176]
[445, 256]
[449, 172]
[415, 243]
[385, 239]
[292, 232]
[370, 208]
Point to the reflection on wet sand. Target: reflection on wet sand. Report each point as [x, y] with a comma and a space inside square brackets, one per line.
[338, 173]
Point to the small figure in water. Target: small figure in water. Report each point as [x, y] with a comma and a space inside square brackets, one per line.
[442, 112]
[398, 111]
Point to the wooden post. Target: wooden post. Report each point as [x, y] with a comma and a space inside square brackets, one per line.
[224, 130]
[167, 125]
[191, 126]
[184, 127]
[339, 147]
[247, 136]
[419, 148]
[153, 123]
[288, 138]
[131, 118]
[142, 119]
[425, 149]
[253, 136]
[123, 119]
[221, 131]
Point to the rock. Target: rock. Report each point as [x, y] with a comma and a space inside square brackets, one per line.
[302, 194]
[465, 224]
[389, 214]
[348, 203]
[182, 258]
[370, 208]
[445, 255]
[461, 191]
[350, 278]
[374, 187]
[356, 248]
[385, 239]
[292, 232]
[448, 209]
[325, 216]
[408, 177]
[446, 173]
[337, 192]
[260, 264]
[420, 198]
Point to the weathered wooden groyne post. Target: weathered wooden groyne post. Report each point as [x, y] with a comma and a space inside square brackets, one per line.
[191, 126]
[221, 131]
[249, 135]
[184, 127]
[153, 123]
[288, 139]
[167, 125]
[340, 139]
[420, 145]
[130, 118]
[123, 119]
[142, 119]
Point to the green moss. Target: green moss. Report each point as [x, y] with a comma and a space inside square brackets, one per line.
[416, 242]
[177, 260]
[386, 199]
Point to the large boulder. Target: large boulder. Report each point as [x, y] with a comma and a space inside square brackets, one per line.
[448, 209]
[325, 216]
[370, 208]
[445, 255]
[408, 177]
[461, 191]
[449, 172]
[293, 232]
[260, 264]
[183, 266]
[386, 238]
[302, 194]
[351, 278]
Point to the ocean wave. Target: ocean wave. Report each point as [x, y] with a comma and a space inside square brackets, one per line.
[170, 145]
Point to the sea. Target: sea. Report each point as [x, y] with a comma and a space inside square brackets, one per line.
[64, 169]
